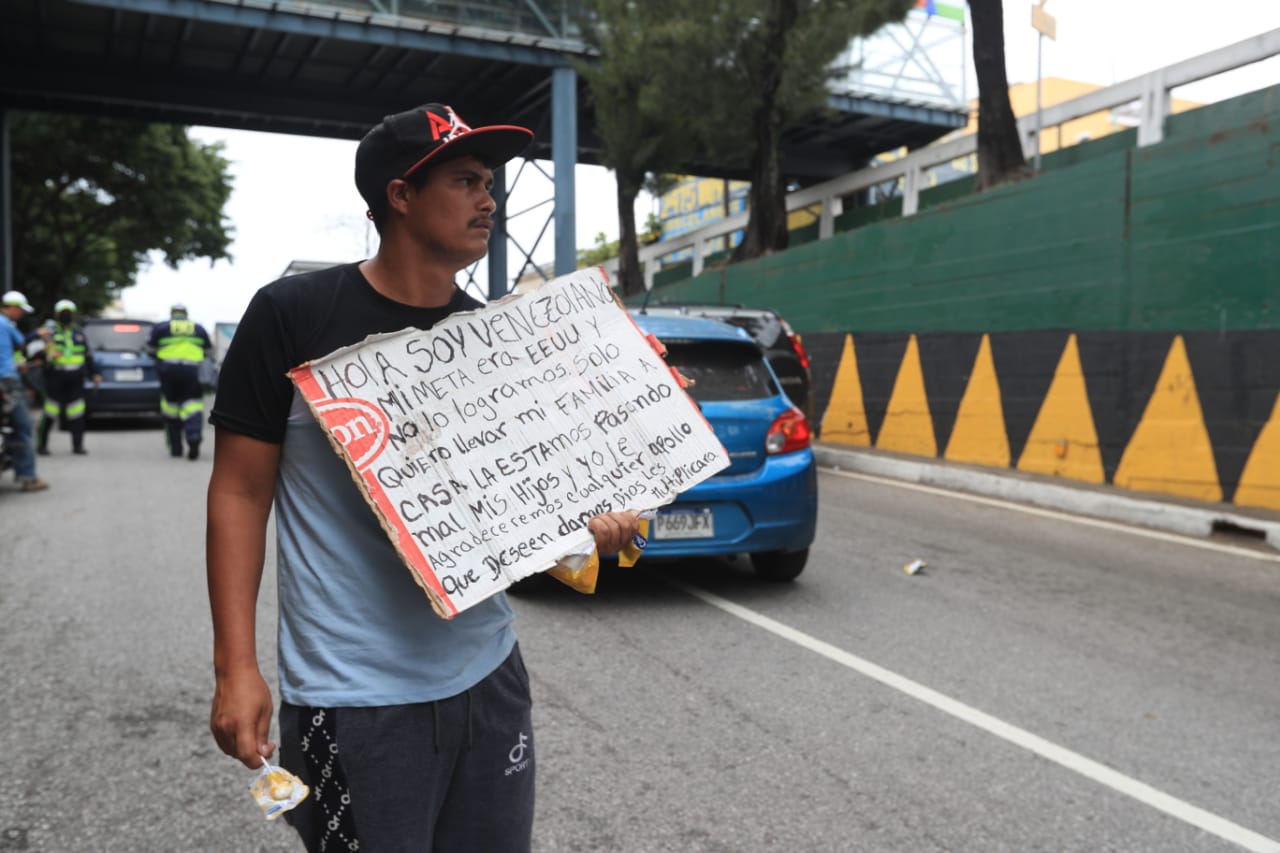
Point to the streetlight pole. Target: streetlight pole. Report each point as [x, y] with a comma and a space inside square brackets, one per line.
[1045, 25]
[1039, 86]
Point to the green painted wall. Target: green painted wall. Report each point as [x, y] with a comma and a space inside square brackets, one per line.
[1184, 235]
[1130, 299]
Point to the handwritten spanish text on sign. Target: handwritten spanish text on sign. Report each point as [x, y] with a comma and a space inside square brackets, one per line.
[486, 443]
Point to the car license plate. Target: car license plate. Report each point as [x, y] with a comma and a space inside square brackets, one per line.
[684, 524]
[129, 374]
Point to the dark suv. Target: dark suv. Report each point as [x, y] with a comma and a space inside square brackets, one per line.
[130, 385]
[782, 346]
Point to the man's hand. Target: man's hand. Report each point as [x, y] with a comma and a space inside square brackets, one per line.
[612, 530]
[241, 489]
[241, 717]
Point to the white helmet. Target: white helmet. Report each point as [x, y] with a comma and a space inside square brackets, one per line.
[16, 297]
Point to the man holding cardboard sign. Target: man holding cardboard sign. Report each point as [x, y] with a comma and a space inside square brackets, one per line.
[487, 443]
[413, 732]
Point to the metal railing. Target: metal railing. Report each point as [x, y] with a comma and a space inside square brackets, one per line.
[1150, 91]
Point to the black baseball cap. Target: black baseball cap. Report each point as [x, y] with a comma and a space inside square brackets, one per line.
[403, 143]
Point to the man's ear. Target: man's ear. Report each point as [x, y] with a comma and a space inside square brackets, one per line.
[398, 192]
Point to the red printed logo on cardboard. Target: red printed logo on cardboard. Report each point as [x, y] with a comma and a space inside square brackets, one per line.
[362, 429]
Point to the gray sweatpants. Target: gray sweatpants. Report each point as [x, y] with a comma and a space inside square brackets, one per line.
[451, 776]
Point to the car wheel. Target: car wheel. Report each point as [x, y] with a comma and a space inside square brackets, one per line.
[780, 565]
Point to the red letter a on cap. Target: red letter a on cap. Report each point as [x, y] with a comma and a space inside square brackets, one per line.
[439, 126]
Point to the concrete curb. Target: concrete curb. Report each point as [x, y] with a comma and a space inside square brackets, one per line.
[1098, 502]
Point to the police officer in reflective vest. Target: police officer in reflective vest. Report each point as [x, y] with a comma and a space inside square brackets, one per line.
[68, 360]
[180, 346]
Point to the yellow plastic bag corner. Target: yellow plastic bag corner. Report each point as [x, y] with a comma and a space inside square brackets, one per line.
[583, 578]
[631, 552]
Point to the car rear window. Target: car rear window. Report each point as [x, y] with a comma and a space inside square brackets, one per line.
[763, 325]
[722, 370]
[764, 328]
[118, 336]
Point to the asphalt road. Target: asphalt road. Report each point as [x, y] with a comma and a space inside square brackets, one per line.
[1043, 685]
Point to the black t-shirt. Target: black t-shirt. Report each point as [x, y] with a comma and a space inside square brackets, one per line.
[297, 319]
[354, 626]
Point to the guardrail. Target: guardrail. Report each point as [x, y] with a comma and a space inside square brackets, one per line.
[1150, 90]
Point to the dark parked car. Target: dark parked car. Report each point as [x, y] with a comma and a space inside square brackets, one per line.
[782, 345]
[130, 385]
[765, 503]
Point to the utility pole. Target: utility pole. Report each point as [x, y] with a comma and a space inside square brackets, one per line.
[1045, 25]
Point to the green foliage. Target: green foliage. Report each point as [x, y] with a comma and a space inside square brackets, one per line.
[652, 230]
[635, 90]
[637, 95]
[776, 56]
[92, 198]
[605, 249]
[722, 78]
[659, 184]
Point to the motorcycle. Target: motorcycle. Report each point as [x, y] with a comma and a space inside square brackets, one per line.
[7, 402]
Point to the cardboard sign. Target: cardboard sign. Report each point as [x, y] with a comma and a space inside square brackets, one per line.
[486, 443]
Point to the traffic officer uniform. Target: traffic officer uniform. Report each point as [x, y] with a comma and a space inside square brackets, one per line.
[68, 360]
[37, 353]
[180, 345]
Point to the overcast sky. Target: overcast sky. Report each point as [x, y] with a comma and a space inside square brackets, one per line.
[293, 197]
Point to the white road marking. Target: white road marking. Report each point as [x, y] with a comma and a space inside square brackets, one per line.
[1073, 761]
[1063, 516]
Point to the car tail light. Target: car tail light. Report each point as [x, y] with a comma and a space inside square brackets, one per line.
[804, 356]
[795, 344]
[789, 432]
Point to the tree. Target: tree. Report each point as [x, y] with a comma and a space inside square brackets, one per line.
[92, 198]
[1000, 157]
[606, 249]
[728, 76]
[634, 90]
[773, 60]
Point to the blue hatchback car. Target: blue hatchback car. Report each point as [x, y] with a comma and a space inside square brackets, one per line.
[130, 384]
[765, 503]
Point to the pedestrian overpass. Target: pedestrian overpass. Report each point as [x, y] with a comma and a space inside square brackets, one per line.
[333, 68]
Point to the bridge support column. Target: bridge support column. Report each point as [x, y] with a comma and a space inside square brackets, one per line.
[498, 286]
[564, 157]
[6, 205]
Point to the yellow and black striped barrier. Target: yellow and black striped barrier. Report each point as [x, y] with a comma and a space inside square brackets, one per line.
[1195, 415]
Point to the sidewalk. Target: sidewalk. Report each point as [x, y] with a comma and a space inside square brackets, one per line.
[1191, 518]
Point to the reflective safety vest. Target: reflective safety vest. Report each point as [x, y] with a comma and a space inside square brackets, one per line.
[181, 342]
[68, 349]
